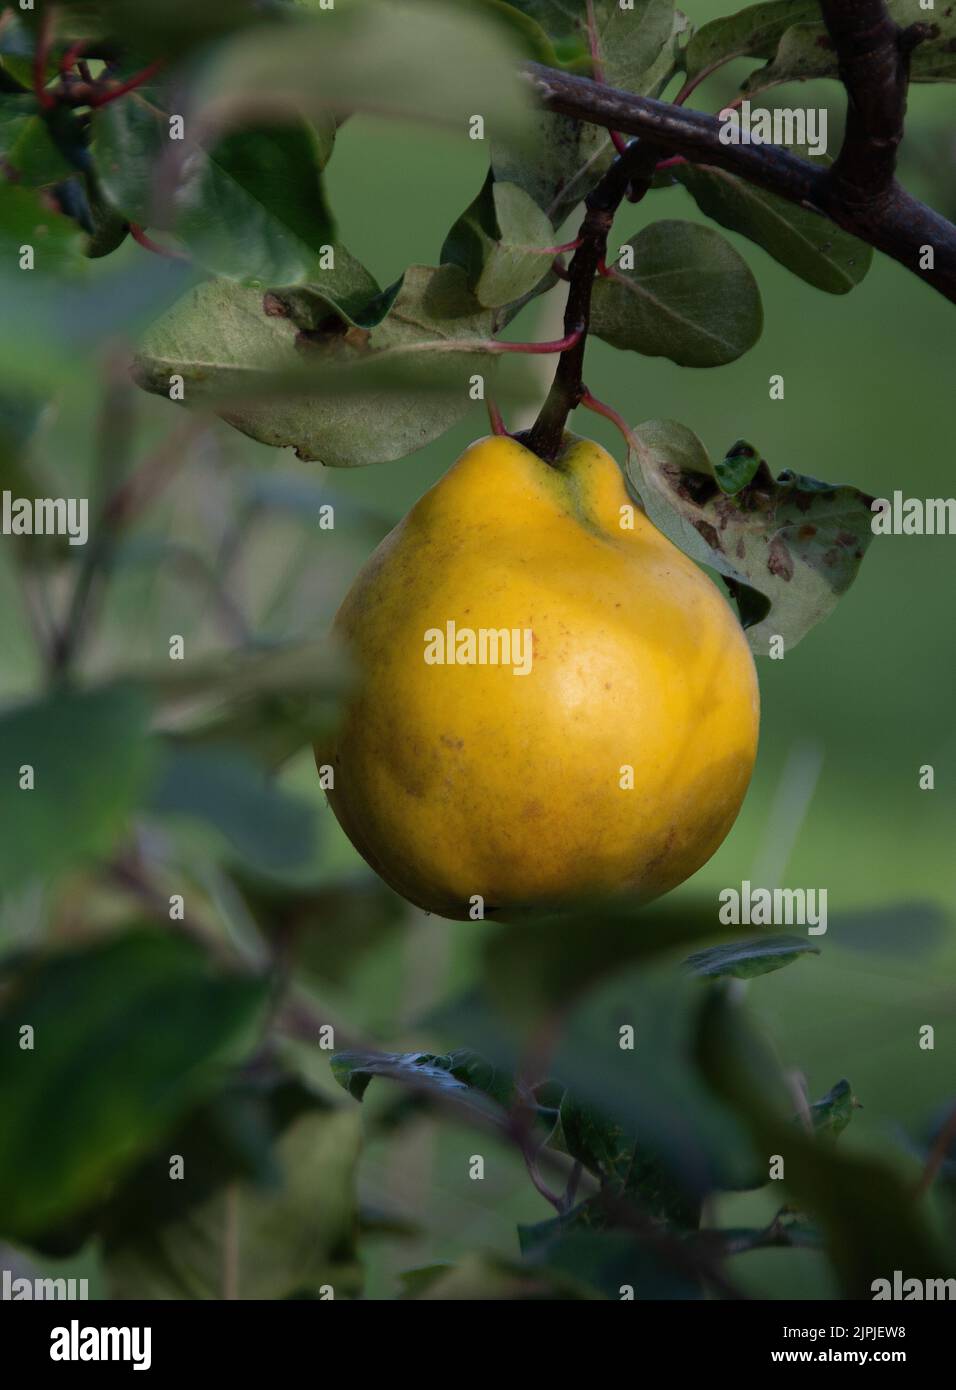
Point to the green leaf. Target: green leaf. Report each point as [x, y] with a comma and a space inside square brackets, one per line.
[110, 227]
[670, 59]
[524, 30]
[91, 762]
[412, 61]
[744, 959]
[630, 42]
[502, 244]
[578, 1245]
[462, 1074]
[624, 1166]
[30, 153]
[336, 398]
[738, 467]
[247, 1240]
[558, 166]
[689, 297]
[27, 220]
[804, 50]
[834, 1111]
[251, 207]
[128, 141]
[346, 294]
[625, 42]
[806, 243]
[871, 1217]
[255, 207]
[563, 159]
[753, 32]
[227, 791]
[128, 1032]
[934, 61]
[170, 31]
[793, 539]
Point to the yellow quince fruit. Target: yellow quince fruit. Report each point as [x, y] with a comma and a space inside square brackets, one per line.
[552, 700]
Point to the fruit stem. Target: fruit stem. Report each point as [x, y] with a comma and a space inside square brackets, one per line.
[633, 170]
[495, 417]
[600, 408]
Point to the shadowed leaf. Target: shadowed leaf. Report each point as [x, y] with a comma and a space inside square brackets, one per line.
[805, 242]
[871, 1220]
[92, 761]
[745, 959]
[128, 1033]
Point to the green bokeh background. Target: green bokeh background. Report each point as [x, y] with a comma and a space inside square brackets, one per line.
[849, 717]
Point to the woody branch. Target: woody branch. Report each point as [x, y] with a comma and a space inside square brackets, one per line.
[859, 192]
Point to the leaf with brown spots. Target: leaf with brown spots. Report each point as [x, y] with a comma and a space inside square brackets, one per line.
[787, 547]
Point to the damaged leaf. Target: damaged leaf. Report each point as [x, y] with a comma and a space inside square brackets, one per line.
[342, 396]
[788, 547]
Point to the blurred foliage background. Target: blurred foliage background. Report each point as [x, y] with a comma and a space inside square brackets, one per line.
[231, 550]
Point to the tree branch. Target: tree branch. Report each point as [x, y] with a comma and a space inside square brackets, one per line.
[873, 57]
[882, 214]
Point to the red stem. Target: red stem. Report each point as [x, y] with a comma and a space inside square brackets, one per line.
[600, 408]
[41, 57]
[568, 246]
[562, 345]
[72, 54]
[130, 85]
[694, 82]
[670, 163]
[494, 415]
[147, 242]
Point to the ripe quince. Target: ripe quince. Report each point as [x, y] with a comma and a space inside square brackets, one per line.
[552, 700]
